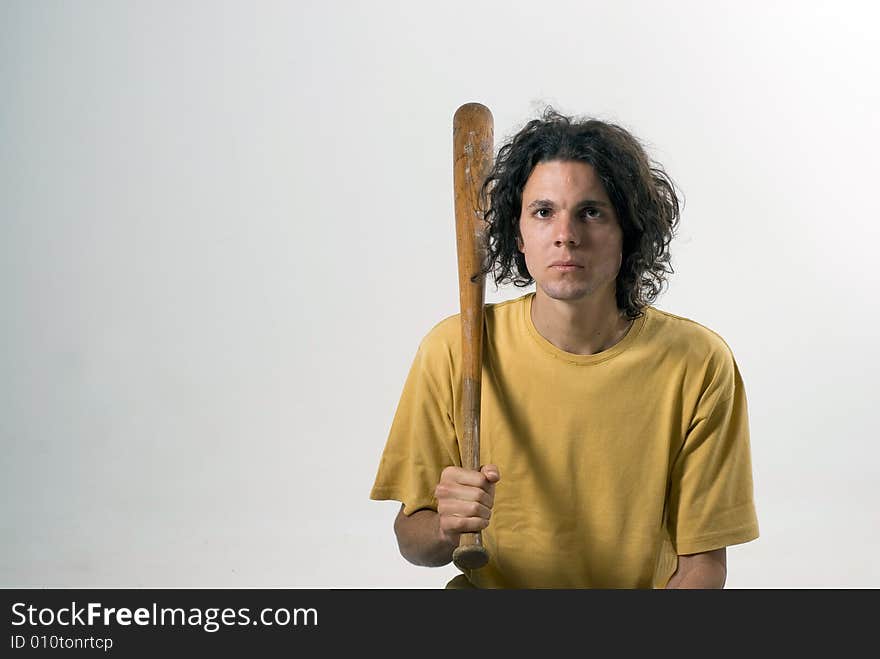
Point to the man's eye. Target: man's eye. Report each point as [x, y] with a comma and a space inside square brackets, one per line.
[541, 213]
[592, 212]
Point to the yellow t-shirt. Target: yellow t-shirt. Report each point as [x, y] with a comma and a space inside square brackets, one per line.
[611, 464]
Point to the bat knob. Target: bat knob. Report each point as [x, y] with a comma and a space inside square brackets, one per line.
[470, 557]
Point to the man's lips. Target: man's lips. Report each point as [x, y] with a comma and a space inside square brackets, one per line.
[566, 265]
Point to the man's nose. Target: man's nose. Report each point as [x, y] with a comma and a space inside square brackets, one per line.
[566, 230]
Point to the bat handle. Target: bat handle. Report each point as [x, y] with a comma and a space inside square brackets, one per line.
[470, 553]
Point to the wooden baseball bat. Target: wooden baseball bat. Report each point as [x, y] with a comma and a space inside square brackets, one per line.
[472, 137]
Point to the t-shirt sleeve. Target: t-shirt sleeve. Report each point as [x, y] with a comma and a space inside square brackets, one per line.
[711, 502]
[422, 441]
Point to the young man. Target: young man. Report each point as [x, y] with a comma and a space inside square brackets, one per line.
[614, 435]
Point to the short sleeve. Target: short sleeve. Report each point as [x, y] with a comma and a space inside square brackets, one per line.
[711, 502]
[422, 440]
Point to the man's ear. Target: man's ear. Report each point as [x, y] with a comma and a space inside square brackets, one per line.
[519, 244]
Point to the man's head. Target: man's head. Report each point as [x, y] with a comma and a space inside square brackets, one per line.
[592, 197]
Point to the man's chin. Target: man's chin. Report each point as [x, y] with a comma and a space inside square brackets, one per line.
[566, 293]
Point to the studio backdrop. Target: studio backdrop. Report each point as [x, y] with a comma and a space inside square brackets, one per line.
[226, 226]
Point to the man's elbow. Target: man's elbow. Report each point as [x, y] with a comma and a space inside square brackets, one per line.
[417, 539]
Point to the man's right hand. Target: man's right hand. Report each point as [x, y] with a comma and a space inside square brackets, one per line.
[464, 504]
[464, 500]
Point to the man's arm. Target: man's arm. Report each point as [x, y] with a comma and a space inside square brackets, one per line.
[705, 570]
[420, 540]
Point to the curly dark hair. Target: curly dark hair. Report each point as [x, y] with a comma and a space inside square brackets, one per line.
[643, 195]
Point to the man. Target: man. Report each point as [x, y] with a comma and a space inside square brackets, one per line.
[614, 436]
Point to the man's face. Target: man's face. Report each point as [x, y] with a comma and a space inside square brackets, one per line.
[570, 235]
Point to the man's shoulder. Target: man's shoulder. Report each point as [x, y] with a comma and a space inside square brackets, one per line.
[701, 354]
[440, 347]
[446, 334]
[687, 335]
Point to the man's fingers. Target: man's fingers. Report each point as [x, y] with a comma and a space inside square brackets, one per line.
[459, 508]
[453, 491]
[450, 524]
[465, 498]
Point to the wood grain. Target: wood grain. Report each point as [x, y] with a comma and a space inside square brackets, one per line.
[473, 144]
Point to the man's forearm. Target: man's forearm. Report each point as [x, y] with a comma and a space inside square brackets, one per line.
[707, 570]
[420, 540]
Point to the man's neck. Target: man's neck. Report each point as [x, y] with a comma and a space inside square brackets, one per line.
[580, 327]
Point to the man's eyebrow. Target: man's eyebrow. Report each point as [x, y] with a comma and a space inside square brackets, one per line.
[539, 203]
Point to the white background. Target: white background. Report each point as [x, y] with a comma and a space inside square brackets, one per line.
[227, 225]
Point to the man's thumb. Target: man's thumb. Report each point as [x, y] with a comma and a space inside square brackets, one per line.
[491, 473]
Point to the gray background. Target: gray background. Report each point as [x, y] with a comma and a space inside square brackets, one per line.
[227, 225]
